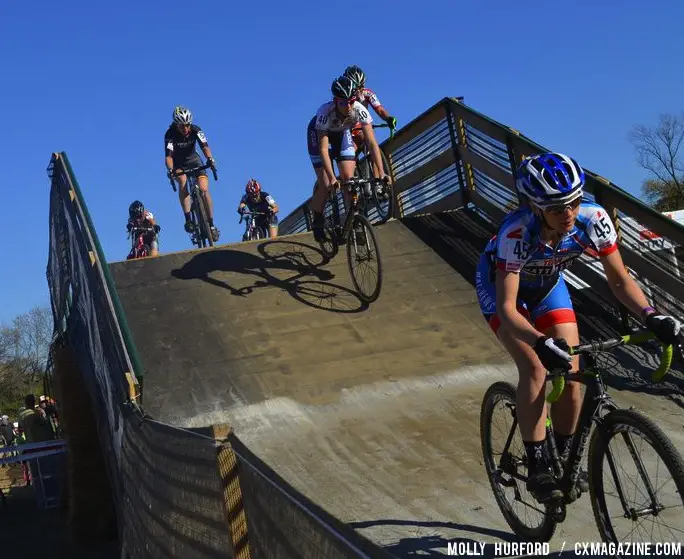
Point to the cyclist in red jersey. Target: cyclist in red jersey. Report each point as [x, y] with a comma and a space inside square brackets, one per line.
[366, 97]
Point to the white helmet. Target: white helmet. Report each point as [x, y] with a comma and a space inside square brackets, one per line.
[549, 179]
[181, 115]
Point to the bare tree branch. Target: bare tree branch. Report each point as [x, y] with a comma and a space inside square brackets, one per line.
[659, 151]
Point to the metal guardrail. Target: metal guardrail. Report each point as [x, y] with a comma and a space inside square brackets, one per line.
[452, 157]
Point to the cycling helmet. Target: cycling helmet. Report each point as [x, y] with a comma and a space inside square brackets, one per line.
[181, 115]
[253, 188]
[548, 179]
[356, 75]
[136, 210]
[343, 87]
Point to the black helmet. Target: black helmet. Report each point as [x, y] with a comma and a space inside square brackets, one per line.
[136, 210]
[343, 87]
[356, 75]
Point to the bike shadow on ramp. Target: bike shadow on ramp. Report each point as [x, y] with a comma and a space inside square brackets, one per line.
[293, 267]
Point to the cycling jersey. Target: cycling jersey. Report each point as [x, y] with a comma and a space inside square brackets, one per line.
[368, 97]
[542, 293]
[265, 203]
[181, 147]
[517, 247]
[145, 221]
[328, 118]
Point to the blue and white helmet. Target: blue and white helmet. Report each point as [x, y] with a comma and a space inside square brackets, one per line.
[548, 179]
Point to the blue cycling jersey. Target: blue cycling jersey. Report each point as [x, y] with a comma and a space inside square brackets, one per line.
[517, 247]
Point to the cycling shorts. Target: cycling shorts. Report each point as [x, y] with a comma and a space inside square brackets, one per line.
[193, 160]
[266, 221]
[545, 307]
[342, 146]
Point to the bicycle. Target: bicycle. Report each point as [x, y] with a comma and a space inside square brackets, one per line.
[382, 199]
[598, 410]
[356, 231]
[252, 232]
[139, 248]
[201, 235]
[373, 195]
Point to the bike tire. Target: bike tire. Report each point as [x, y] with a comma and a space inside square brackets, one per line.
[383, 213]
[352, 254]
[205, 230]
[257, 234]
[613, 424]
[505, 391]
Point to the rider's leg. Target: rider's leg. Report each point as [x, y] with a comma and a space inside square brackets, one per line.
[185, 201]
[320, 195]
[346, 167]
[346, 162]
[530, 393]
[273, 227]
[154, 247]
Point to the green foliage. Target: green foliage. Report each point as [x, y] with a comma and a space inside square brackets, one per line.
[24, 347]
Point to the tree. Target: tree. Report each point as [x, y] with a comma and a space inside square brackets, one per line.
[658, 151]
[24, 348]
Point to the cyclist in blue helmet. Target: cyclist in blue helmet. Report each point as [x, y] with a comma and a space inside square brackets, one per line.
[524, 298]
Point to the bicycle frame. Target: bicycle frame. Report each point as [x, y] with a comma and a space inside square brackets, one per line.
[596, 401]
[194, 192]
[137, 235]
[250, 217]
[354, 185]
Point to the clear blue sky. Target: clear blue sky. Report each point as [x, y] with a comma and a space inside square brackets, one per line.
[100, 80]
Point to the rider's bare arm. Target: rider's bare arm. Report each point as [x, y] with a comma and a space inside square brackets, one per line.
[382, 112]
[323, 146]
[374, 148]
[516, 324]
[621, 283]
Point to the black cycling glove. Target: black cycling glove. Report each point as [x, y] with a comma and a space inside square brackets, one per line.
[666, 328]
[553, 353]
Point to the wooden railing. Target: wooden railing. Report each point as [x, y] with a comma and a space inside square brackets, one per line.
[452, 157]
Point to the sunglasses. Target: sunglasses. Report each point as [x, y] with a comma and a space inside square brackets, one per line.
[560, 208]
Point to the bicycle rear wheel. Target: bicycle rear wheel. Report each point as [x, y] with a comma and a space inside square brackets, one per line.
[384, 207]
[362, 248]
[529, 519]
[641, 498]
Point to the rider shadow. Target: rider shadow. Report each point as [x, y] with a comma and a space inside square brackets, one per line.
[428, 542]
[307, 282]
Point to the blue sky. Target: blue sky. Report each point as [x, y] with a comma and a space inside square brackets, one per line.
[100, 80]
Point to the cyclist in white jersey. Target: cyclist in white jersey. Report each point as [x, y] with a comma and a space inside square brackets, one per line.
[330, 130]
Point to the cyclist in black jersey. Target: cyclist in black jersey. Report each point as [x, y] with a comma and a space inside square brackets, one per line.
[179, 141]
[257, 200]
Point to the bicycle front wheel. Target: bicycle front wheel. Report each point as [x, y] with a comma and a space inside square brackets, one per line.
[632, 460]
[205, 238]
[363, 257]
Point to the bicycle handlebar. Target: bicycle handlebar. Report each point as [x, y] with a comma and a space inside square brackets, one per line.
[243, 214]
[595, 346]
[385, 126]
[179, 172]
